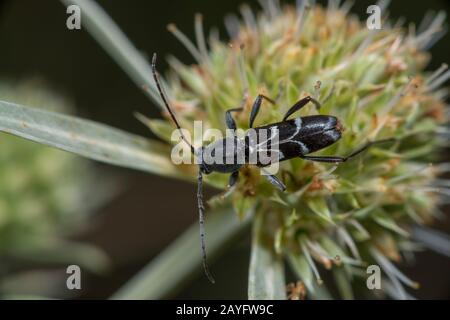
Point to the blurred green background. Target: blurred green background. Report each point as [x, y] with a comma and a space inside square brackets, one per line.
[148, 212]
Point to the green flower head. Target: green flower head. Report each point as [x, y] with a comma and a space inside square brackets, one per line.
[339, 217]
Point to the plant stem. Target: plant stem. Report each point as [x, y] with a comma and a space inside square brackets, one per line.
[181, 261]
[266, 272]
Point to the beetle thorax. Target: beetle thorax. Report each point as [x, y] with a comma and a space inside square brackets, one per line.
[224, 155]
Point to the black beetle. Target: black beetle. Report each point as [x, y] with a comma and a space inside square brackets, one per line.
[296, 138]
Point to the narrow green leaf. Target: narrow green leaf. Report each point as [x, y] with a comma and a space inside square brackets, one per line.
[266, 272]
[57, 251]
[181, 261]
[106, 32]
[87, 138]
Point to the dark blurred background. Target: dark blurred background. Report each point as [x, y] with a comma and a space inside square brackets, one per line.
[144, 218]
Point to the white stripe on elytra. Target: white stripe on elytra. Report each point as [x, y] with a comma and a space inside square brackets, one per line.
[330, 123]
[334, 135]
[304, 148]
[273, 133]
[298, 126]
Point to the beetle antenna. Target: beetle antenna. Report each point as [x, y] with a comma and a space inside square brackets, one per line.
[166, 102]
[201, 221]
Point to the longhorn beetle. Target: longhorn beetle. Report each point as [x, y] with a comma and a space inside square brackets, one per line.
[297, 138]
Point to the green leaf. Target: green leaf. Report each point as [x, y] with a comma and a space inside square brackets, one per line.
[57, 251]
[266, 272]
[87, 138]
[181, 261]
[103, 29]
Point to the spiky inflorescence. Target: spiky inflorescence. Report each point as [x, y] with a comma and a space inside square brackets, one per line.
[341, 217]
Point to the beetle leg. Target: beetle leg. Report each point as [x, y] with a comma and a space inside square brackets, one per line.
[299, 105]
[256, 106]
[233, 179]
[338, 159]
[231, 123]
[276, 182]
